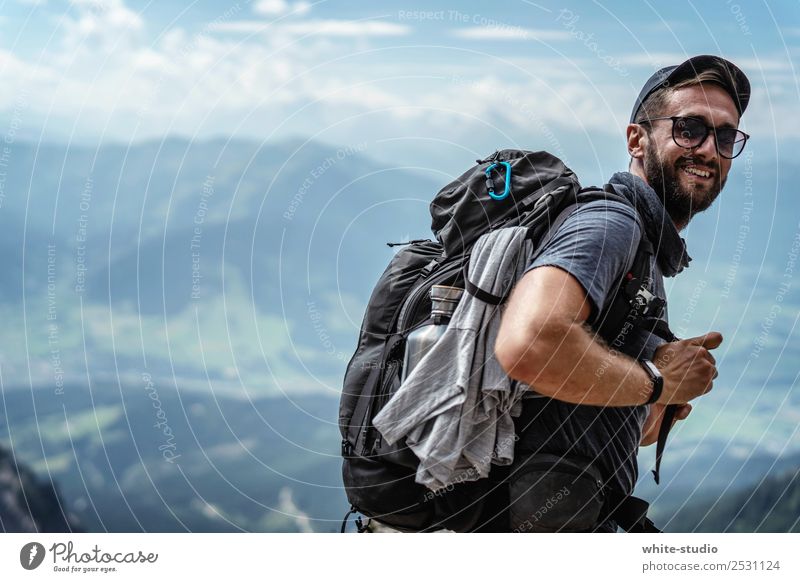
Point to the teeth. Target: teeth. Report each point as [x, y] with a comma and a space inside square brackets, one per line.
[696, 172]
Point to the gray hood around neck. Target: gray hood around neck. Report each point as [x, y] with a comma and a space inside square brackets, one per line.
[670, 248]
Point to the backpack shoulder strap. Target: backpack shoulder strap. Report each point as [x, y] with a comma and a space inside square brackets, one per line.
[625, 298]
[584, 196]
[633, 305]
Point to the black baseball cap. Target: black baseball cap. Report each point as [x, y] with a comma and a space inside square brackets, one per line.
[736, 83]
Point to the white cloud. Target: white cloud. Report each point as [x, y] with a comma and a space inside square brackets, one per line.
[509, 33]
[101, 25]
[319, 75]
[343, 28]
[271, 7]
[17, 77]
[301, 7]
[110, 12]
[278, 7]
[348, 28]
[11, 65]
[243, 26]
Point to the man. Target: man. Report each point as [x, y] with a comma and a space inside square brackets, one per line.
[589, 412]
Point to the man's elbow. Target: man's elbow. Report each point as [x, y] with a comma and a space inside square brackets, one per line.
[512, 357]
[528, 356]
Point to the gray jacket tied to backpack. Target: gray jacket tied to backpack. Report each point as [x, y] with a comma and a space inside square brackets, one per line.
[455, 409]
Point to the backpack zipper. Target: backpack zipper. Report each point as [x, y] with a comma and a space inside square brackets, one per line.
[388, 379]
[416, 296]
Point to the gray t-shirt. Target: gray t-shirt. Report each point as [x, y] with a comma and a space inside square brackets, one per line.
[596, 244]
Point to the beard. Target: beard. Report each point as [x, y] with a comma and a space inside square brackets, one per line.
[680, 203]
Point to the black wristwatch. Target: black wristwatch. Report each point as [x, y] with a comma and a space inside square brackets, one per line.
[656, 378]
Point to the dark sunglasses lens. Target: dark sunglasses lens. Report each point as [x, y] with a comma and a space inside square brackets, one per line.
[730, 142]
[688, 132]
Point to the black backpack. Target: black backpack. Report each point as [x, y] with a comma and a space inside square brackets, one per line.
[510, 188]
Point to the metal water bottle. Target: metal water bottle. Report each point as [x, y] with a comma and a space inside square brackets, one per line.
[444, 300]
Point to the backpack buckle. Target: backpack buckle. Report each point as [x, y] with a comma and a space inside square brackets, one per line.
[347, 448]
[543, 201]
[648, 305]
[428, 269]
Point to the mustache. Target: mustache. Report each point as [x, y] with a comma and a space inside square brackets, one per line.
[697, 163]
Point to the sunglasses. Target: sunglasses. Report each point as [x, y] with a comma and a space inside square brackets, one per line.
[691, 132]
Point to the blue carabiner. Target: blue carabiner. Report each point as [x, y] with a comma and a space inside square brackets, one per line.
[490, 182]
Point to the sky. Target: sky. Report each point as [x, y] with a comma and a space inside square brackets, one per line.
[345, 72]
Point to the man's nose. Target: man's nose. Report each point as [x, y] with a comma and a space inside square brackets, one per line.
[707, 149]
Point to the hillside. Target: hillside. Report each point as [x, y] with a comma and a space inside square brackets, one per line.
[772, 505]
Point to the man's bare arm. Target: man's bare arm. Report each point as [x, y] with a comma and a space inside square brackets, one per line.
[544, 341]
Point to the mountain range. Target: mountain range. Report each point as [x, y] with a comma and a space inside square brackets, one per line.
[232, 276]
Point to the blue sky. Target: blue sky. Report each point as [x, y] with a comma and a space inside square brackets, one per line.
[345, 72]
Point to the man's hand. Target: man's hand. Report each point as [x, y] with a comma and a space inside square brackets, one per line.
[652, 425]
[688, 367]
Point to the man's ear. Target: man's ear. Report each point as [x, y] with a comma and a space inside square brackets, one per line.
[637, 140]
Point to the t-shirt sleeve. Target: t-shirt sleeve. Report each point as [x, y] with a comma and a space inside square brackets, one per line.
[596, 244]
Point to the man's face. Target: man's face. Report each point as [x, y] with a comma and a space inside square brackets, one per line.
[668, 166]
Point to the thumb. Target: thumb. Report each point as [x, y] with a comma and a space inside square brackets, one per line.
[710, 340]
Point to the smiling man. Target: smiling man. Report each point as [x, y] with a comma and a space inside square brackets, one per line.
[690, 167]
[591, 406]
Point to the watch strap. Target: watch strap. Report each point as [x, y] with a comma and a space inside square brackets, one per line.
[656, 380]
